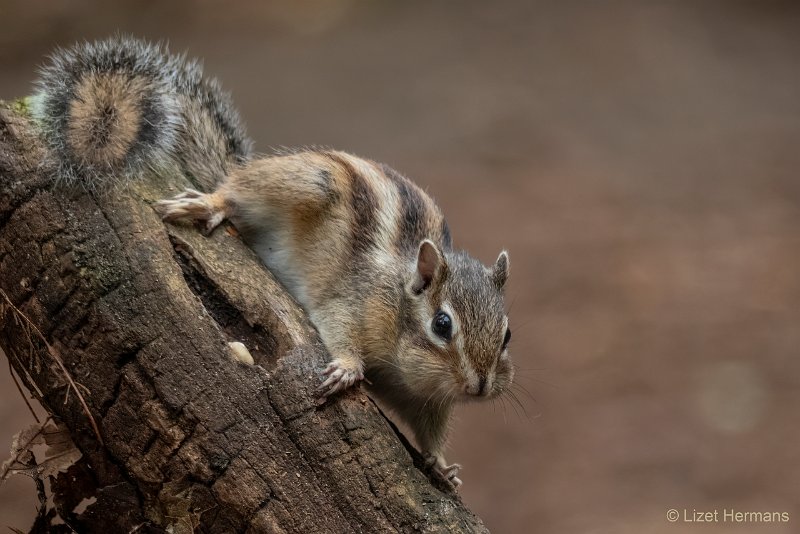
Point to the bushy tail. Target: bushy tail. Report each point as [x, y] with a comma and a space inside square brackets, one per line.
[116, 109]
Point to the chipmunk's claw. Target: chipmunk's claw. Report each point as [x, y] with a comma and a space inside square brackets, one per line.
[194, 206]
[446, 474]
[339, 376]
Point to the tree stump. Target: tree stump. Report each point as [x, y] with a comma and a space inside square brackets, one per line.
[105, 304]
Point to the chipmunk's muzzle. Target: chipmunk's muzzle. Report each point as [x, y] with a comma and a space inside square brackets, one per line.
[477, 387]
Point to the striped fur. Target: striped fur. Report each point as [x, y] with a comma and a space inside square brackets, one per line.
[363, 249]
[343, 234]
[114, 110]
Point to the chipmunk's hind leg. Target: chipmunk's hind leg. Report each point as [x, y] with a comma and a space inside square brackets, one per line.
[192, 205]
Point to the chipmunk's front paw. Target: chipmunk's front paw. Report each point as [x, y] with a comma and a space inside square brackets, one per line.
[340, 376]
[194, 206]
[446, 474]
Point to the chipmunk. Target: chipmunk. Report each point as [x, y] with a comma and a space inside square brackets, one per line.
[365, 251]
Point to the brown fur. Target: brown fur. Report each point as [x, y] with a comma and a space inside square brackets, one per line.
[114, 110]
[367, 253]
[104, 117]
[363, 249]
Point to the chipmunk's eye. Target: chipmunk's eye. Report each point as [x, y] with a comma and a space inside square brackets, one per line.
[442, 325]
[507, 338]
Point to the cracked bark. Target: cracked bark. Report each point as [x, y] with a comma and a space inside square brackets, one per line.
[141, 314]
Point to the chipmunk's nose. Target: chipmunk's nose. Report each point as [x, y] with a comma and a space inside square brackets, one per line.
[482, 385]
[476, 388]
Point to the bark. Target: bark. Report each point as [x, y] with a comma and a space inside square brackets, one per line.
[141, 313]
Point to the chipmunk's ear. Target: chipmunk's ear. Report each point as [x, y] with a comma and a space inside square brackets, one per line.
[499, 273]
[430, 267]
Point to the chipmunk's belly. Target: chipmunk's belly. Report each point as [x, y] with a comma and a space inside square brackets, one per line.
[275, 250]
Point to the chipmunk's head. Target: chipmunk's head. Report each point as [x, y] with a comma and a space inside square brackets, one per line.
[459, 331]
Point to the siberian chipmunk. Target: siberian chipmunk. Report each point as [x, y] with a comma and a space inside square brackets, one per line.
[365, 251]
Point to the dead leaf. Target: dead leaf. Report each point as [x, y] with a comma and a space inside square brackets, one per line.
[60, 454]
[21, 453]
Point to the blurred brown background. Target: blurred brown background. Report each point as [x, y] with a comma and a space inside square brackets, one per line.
[639, 160]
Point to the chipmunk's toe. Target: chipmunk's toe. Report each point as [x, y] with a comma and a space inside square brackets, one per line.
[192, 205]
[446, 474]
[339, 376]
